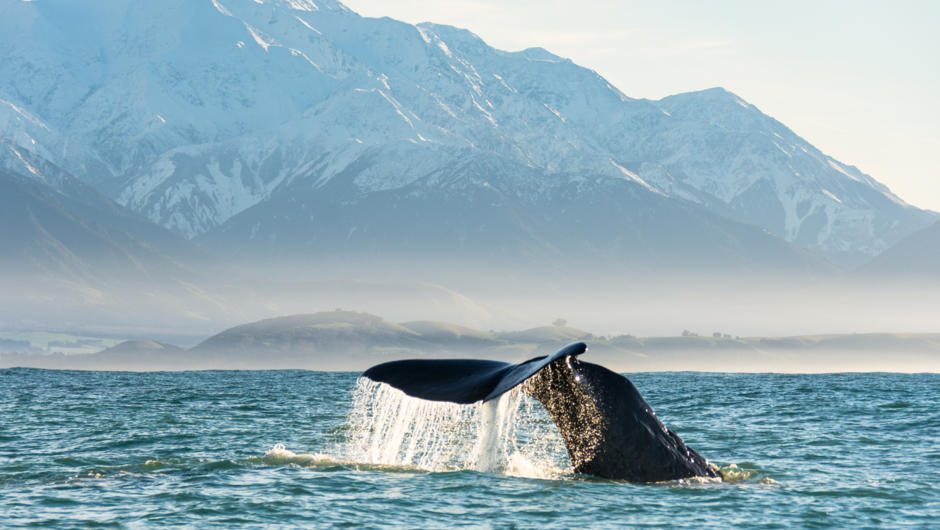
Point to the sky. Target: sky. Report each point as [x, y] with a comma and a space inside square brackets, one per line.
[858, 79]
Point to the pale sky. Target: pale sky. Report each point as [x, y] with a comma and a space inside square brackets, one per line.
[858, 79]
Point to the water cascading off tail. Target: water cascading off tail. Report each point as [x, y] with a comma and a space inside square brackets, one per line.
[609, 430]
[512, 435]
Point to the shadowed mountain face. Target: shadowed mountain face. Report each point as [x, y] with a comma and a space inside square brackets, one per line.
[597, 222]
[297, 128]
[71, 253]
[916, 257]
[55, 225]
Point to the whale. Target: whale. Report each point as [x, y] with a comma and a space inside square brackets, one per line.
[609, 430]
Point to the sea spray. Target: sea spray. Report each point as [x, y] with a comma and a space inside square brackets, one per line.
[511, 435]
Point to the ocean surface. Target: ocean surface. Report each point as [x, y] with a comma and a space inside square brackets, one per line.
[316, 449]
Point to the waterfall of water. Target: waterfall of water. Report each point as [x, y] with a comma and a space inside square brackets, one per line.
[511, 435]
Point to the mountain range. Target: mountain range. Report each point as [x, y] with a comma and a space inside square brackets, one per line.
[294, 128]
[219, 161]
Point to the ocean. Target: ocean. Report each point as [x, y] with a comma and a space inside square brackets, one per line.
[320, 449]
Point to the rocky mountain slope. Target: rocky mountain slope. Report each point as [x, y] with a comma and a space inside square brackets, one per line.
[255, 122]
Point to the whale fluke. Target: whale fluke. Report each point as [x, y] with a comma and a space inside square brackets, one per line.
[609, 430]
[462, 380]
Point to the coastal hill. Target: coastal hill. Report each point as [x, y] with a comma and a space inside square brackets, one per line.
[352, 341]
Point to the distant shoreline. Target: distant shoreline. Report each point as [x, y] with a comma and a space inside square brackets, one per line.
[347, 341]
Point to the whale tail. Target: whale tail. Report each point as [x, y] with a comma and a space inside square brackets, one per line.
[463, 380]
[608, 428]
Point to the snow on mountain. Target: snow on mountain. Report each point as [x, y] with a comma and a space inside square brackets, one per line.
[193, 112]
[22, 133]
[132, 80]
[728, 154]
[486, 213]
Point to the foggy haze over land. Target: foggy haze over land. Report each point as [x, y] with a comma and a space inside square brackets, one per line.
[193, 167]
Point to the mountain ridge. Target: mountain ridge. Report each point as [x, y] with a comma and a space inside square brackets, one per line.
[175, 129]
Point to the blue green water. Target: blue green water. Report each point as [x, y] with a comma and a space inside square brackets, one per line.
[81, 449]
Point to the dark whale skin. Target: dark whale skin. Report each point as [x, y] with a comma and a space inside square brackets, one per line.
[609, 430]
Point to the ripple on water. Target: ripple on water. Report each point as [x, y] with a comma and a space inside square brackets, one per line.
[290, 448]
[896, 405]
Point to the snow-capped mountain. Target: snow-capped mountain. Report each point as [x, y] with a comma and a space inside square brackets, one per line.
[730, 155]
[485, 213]
[243, 122]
